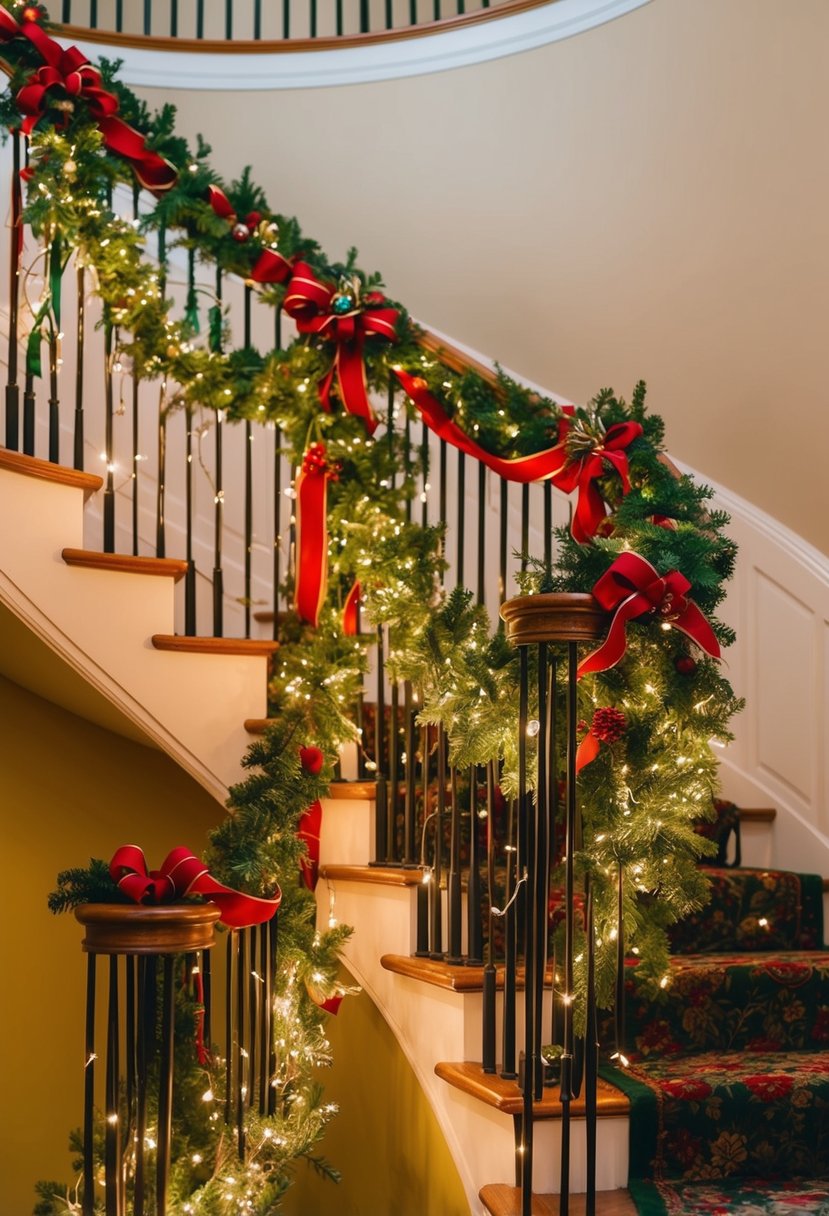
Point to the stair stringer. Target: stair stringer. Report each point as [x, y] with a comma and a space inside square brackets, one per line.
[433, 1024]
[100, 623]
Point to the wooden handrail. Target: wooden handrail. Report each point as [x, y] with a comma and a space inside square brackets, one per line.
[248, 46]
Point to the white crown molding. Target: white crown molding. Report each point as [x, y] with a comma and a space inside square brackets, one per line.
[414, 56]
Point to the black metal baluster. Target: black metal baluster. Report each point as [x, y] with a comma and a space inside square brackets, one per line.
[12, 389]
[381, 825]
[461, 516]
[93, 14]
[254, 1015]
[542, 854]
[257, 19]
[207, 997]
[146, 998]
[508, 1070]
[394, 777]
[119, 16]
[454, 909]
[286, 18]
[54, 419]
[241, 1071]
[481, 530]
[174, 18]
[277, 494]
[339, 18]
[410, 857]
[407, 463]
[548, 524]
[66, 12]
[130, 1041]
[364, 17]
[112, 1132]
[436, 10]
[77, 446]
[229, 20]
[109, 487]
[488, 1052]
[528, 855]
[313, 18]
[591, 1051]
[231, 950]
[424, 463]
[474, 907]
[135, 420]
[248, 476]
[165, 1087]
[266, 986]
[525, 525]
[567, 1054]
[88, 1207]
[199, 18]
[442, 490]
[148, 17]
[273, 941]
[389, 15]
[190, 576]
[620, 964]
[436, 939]
[412, 12]
[160, 494]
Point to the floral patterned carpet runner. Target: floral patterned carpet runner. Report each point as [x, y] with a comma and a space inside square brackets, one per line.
[729, 1063]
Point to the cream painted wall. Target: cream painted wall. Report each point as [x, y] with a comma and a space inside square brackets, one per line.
[70, 791]
[648, 199]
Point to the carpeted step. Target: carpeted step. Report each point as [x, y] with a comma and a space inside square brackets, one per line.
[740, 1002]
[754, 910]
[735, 1197]
[728, 1115]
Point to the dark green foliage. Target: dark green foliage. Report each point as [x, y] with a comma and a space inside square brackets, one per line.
[89, 885]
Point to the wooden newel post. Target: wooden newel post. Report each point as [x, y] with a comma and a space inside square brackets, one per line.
[145, 937]
[547, 630]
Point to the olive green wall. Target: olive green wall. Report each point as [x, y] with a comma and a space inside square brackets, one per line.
[385, 1141]
[646, 199]
[68, 791]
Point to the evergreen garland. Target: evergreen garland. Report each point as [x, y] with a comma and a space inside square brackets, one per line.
[654, 772]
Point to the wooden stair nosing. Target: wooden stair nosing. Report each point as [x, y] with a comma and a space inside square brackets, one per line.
[757, 814]
[126, 563]
[505, 1095]
[250, 647]
[353, 791]
[501, 1199]
[384, 876]
[33, 466]
[453, 977]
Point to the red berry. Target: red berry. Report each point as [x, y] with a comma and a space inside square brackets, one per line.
[685, 665]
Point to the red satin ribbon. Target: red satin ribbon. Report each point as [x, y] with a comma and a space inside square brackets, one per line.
[351, 612]
[587, 750]
[309, 302]
[539, 467]
[311, 534]
[69, 70]
[583, 473]
[310, 826]
[181, 874]
[630, 588]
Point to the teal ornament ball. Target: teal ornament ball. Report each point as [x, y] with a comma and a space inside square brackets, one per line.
[342, 304]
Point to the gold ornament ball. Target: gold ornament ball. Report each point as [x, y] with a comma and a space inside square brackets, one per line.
[70, 168]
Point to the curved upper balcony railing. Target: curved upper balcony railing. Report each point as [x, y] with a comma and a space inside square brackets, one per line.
[286, 44]
[213, 24]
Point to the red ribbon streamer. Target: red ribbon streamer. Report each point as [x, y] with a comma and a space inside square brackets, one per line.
[351, 612]
[587, 750]
[310, 826]
[309, 301]
[68, 70]
[181, 874]
[311, 534]
[631, 588]
[539, 467]
[583, 473]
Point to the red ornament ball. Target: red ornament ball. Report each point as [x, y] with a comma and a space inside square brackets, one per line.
[240, 233]
[609, 724]
[311, 759]
[685, 665]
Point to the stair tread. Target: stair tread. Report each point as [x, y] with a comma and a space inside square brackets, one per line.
[32, 466]
[358, 791]
[207, 645]
[454, 977]
[385, 876]
[126, 563]
[504, 1095]
[500, 1199]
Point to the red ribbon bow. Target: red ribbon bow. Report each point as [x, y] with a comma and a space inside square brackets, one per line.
[181, 874]
[539, 467]
[583, 472]
[70, 72]
[312, 534]
[319, 308]
[630, 588]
